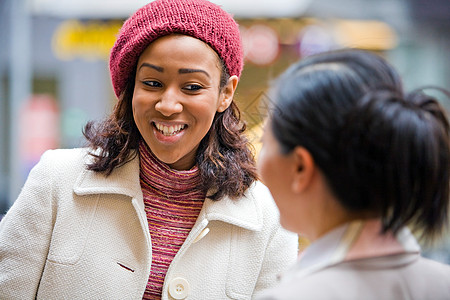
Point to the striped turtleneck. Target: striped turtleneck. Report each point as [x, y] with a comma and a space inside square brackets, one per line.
[173, 200]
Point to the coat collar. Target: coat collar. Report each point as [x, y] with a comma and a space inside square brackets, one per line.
[355, 241]
[245, 212]
[123, 180]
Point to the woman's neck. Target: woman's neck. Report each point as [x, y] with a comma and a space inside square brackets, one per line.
[161, 177]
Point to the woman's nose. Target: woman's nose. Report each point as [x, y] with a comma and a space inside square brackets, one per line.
[169, 103]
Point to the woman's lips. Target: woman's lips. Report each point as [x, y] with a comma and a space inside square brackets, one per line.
[167, 132]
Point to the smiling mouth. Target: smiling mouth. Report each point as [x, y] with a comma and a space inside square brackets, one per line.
[169, 130]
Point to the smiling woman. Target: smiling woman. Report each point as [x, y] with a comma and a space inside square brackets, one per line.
[175, 101]
[164, 201]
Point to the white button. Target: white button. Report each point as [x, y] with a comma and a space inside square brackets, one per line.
[178, 288]
[201, 235]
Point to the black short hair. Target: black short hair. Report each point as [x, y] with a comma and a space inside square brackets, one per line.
[380, 150]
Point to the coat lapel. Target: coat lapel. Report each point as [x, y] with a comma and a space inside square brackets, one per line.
[356, 241]
[245, 212]
[123, 180]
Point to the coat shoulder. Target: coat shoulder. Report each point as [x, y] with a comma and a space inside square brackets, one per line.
[66, 157]
[423, 278]
[262, 194]
[429, 276]
[61, 165]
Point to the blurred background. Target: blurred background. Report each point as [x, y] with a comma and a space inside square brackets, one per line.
[54, 73]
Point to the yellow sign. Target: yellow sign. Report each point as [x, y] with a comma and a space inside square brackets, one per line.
[87, 40]
[365, 34]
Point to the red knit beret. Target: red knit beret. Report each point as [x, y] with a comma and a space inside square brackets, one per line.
[197, 18]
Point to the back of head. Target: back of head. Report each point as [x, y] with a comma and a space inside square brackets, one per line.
[380, 151]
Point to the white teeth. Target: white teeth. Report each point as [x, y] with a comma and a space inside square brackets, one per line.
[169, 130]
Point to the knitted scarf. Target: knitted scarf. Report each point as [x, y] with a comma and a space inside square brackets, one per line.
[173, 200]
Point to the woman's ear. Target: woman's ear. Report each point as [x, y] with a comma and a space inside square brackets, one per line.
[227, 93]
[304, 169]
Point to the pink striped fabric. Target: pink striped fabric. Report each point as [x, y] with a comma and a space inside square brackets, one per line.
[173, 201]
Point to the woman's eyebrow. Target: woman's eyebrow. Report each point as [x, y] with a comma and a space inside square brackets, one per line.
[157, 68]
[186, 71]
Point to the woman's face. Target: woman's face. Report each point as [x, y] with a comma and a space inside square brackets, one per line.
[306, 203]
[176, 95]
[277, 173]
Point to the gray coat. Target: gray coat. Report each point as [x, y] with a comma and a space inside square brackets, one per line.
[379, 276]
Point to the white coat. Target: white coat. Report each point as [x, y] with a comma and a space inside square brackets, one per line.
[76, 234]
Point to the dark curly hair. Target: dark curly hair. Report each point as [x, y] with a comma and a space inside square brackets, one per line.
[224, 158]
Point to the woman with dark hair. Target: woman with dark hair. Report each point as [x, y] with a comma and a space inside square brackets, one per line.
[164, 203]
[352, 162]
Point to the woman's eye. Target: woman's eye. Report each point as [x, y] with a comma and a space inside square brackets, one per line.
[152, 83]
[193, 87]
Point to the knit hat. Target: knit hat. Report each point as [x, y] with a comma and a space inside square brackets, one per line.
[197, 18]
